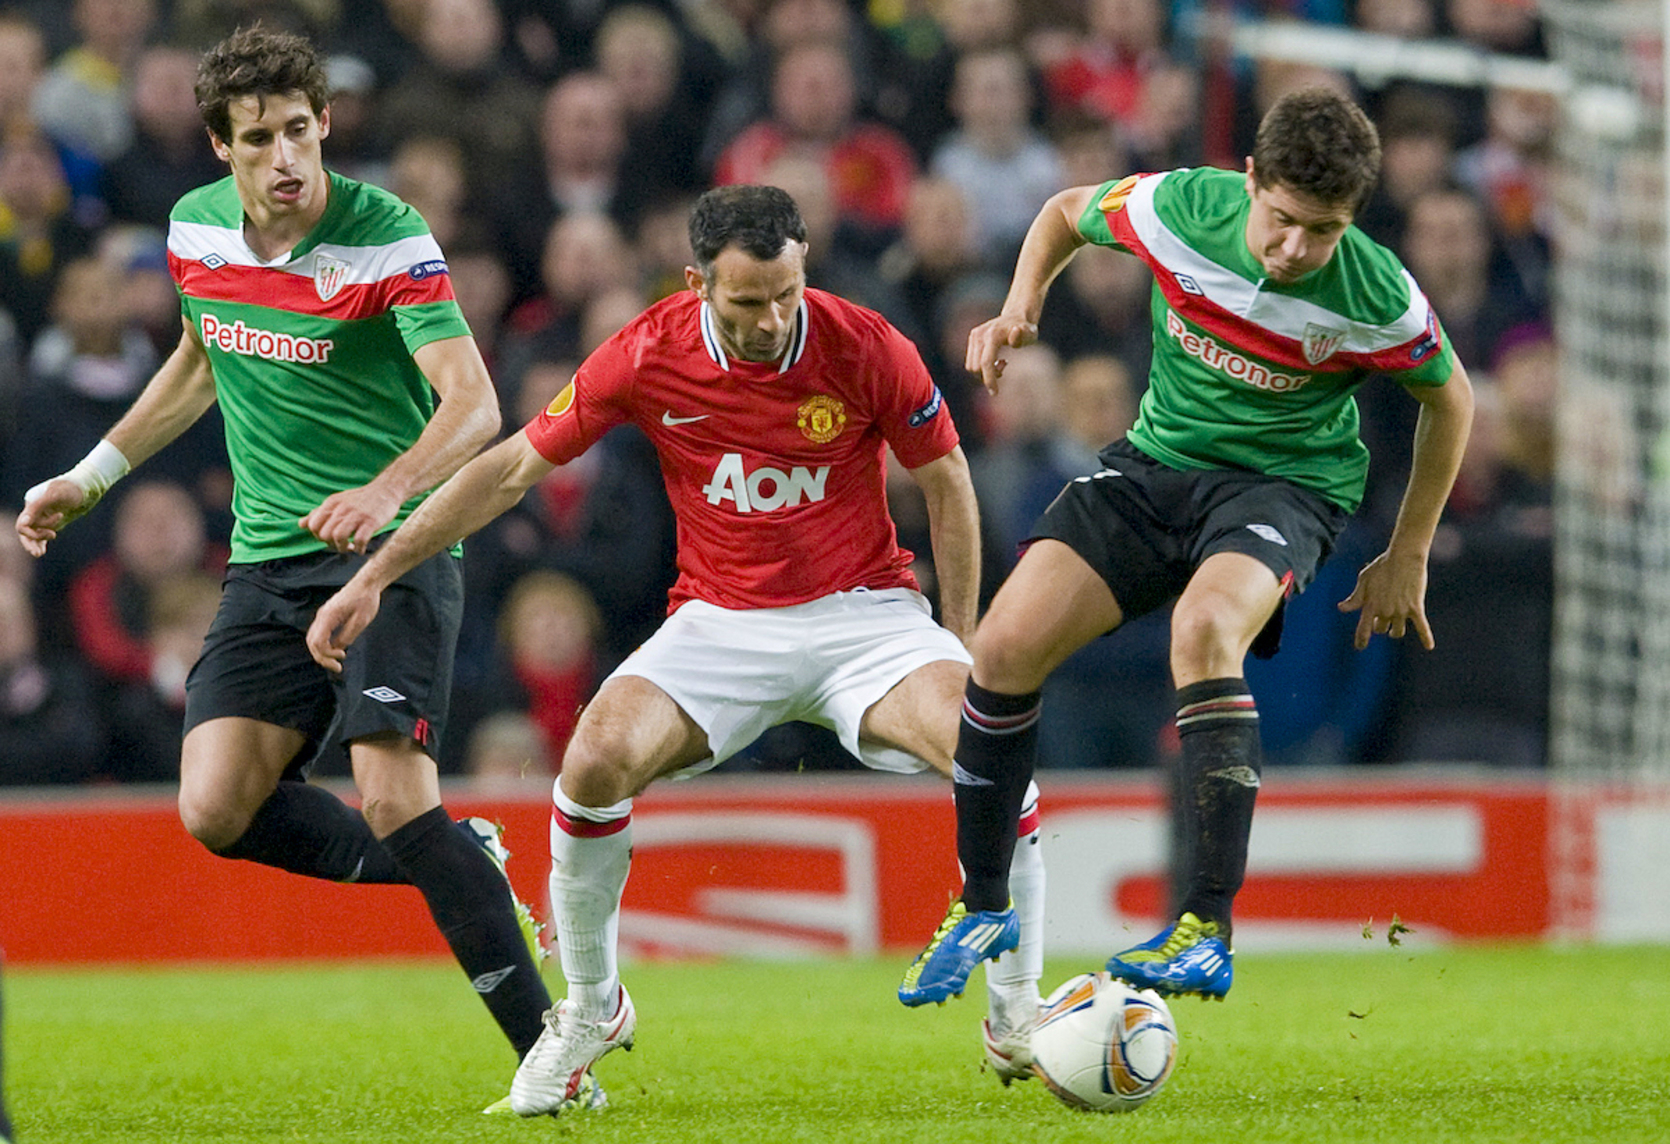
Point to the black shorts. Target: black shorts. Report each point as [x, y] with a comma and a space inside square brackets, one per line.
[397, 676]
[1145, 527]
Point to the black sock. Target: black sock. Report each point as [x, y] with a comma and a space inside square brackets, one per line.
[308, 830]
[472, 909]
[996, 745]
[1218, 726]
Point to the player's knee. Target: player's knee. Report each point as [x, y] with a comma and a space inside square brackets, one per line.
[597, 771]
[213, 823]
[1005, 661]
[1205, 644]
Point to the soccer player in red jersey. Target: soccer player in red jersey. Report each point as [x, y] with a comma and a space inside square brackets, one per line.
[772, 407]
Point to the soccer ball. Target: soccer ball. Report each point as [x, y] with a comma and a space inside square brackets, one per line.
[1102, 1046]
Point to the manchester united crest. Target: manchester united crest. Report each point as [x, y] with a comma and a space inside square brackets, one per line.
[328, 275]
[821, 418]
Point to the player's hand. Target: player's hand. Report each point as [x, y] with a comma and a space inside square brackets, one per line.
[49, 506]
[339, 622]
[347, 521]
[988, 340]
[1391, 594]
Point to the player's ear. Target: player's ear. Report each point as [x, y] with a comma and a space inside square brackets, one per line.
[693, 279]
[1252, 176]
[221, 150]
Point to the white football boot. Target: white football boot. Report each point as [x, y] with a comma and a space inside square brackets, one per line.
[1009, 1051]
[554, 1074]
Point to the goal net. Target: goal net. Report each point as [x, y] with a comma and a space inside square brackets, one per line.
[1610, 725]
[1611, 669]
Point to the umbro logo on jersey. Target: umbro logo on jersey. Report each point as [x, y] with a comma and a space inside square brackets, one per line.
[214, 262]
[1266, 532]
[1190, 286]
[669, 420]
[383, 694]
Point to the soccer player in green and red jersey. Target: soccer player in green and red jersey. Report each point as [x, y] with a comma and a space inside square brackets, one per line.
[1269, 309]
[318, 313]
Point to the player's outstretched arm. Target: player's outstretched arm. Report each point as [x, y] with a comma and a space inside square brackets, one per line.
[1051, 241]
[1391, 588]
[954, 530]
[466, 419]
[175, 397]
[476, 494]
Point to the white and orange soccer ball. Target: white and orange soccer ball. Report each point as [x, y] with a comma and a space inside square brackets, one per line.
[1102, 1046]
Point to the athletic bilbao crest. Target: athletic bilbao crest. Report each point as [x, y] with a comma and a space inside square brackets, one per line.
[328, 276]
[1321, 343]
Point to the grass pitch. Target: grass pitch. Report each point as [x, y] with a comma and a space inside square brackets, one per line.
[1475, 1044]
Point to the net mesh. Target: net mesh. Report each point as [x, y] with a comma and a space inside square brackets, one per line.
[1610, 723]
[1611, 668]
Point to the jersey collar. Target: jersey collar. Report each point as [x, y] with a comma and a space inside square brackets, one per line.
[797, 340]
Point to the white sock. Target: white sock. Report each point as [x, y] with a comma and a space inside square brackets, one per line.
[1012, 980]
[591, 852]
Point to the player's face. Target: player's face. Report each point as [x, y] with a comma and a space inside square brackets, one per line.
[1290, 233]
[754, 301]
[275, 156]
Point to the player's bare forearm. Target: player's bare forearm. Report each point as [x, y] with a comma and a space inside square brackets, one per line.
[1441, 433]
[471, 497]
[1391, 589]
[466, 419]
[1051, 241]
[178, 394]
[474, 495]
[954, 531]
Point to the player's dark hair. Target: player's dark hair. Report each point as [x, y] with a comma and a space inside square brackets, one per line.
[258, 62]
[759, 220]
[1319, 143]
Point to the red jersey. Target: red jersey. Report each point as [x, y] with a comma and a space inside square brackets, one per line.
[776, 471]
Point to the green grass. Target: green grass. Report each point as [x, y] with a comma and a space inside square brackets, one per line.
[1476, 1044]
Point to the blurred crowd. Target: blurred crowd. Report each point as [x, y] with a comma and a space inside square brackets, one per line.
[554, 148]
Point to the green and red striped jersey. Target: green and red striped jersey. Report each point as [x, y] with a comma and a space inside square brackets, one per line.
[312, 352]
[1253, 374]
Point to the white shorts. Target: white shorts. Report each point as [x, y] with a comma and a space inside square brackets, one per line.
[737, 672]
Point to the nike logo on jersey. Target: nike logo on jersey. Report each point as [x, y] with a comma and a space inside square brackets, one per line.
[668, 419]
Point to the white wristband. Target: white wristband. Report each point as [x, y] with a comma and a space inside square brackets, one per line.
[102, 467]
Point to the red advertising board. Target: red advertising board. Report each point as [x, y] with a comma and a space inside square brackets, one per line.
[794, 864]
